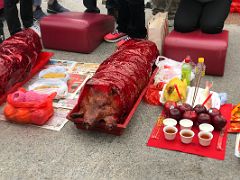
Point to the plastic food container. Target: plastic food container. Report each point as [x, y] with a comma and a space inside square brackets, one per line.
[206, 127]
[186, 124]
[169, 122]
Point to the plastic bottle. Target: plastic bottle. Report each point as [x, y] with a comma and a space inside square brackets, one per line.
[200, 67]
[187, 70]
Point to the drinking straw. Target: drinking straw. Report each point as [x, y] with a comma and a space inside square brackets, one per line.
[209, 96]
[179, 95]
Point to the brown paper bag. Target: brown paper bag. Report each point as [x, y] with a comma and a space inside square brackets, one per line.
[158, 29]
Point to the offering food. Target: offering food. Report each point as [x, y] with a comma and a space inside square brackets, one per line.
[169, 122]
[198, 115]
[175, 114]
[192, 115]
[18, 55]
[206, 127]
[170, 132]
[200, 109]
[235, 119]
[54, 75]
[205, 138]
[169, 105]
[204, 118]
[184, 107]
[170, 93]
[213, 112]
[219, 122]
[186, 136]
[111, 93]
[186, 124]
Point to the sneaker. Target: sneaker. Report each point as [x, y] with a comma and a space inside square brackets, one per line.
[120, 43]
[38, 14]
[115, 36]
[55, 7]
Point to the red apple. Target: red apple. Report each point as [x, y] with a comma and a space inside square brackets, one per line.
[203, 118]
[169, 105]
[175, 114]
[213, 112]
[200, 109]
[219, 122]
[192, 115]
[184, 107]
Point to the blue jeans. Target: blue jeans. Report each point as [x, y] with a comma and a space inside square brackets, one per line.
[37, 2]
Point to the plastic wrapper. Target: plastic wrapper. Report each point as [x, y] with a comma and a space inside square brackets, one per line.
[50, 86]
[152, 95]
[111, 93]
[54, 73]
[18, 55]
[28, 107]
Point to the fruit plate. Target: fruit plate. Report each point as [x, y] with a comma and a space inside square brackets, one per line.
[216, 103]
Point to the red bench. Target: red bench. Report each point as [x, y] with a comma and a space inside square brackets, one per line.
[213, 47]
[75, 31]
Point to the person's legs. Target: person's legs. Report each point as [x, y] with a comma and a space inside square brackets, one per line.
[188, 16]
[213, 16]
[37, 10]
[112, 6]
[11, 15]
[123, 16]
[91, 6]
[26, 13]
[2, 37]
[54, 7]
[136, 25]
[158, 6]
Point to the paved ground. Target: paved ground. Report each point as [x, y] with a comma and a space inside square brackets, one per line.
[33, 153]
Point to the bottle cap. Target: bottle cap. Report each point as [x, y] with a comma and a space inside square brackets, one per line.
[201, 60]
[187, 59]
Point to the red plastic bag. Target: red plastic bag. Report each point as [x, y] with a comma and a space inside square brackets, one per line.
[152, 95]
[29, 107]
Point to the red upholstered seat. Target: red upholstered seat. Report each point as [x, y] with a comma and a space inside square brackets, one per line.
[75, 31]
[213, 47]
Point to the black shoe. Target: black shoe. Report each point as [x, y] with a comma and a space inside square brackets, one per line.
[55, 7]
[38, 14]
[96, 10]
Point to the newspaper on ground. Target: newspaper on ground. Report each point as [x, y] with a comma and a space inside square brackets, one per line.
[79, 73]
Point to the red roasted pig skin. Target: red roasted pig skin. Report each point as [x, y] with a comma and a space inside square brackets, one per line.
[18, 54]
[111, 93]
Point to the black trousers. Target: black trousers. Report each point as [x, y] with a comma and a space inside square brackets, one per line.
[131, 18]
[11, 14]
[209, 16]
[91, 6]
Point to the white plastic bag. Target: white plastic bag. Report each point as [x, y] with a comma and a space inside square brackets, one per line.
[49, 87]
[168, 69]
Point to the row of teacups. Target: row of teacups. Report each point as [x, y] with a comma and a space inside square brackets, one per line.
[170, 131]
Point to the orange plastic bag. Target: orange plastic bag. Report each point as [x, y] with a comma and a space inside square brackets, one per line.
[28, 107]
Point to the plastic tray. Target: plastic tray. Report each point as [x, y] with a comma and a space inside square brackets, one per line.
[119, 129]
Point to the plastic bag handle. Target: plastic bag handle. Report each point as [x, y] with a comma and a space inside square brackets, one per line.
[160, 58]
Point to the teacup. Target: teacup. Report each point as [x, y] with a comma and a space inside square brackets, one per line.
[205, 138]
[186, 136]
[170, 132]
